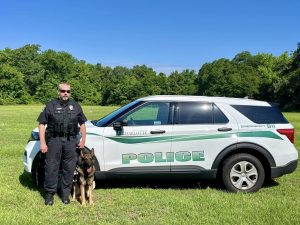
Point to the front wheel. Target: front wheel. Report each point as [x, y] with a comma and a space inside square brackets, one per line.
[38, 170]
[243, 173]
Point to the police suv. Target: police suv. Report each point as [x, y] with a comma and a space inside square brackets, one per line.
[240, 142]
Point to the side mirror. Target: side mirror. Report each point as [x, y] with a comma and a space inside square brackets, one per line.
[119, 125]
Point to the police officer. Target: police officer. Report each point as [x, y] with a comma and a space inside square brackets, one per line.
[59, 141]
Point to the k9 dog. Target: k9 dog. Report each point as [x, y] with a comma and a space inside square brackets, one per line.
[83, 183]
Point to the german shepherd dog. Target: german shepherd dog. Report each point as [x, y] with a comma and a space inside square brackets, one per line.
[83, 183]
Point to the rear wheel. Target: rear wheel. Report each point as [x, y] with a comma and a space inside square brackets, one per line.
[243, 173]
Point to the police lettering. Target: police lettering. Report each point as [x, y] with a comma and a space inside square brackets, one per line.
[159, 157]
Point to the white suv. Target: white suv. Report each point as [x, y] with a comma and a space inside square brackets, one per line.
[239, 141]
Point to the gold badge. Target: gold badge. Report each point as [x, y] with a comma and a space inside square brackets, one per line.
[71, 107]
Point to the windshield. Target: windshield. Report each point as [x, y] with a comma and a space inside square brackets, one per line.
[110, 116]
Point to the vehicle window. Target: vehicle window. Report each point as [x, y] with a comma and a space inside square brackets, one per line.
[152, 113]
[219, 116]
[194, 113]
[261, 114]
[110, 116]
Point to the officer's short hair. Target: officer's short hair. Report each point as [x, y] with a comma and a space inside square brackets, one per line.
[63, 83]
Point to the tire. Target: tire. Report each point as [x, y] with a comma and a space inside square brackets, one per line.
[243, 173]
[38, 170]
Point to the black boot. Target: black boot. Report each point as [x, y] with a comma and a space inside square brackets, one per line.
[49, 199]
[66, 200]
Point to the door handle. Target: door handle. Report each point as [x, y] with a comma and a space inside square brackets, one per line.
[224, 129]
[157, 132]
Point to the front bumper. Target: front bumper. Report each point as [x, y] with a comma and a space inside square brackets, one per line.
[25, 162]
[31, 149]
[281, 170]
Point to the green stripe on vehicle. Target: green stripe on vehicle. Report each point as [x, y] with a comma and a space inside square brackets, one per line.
[200, 137]
[161, 139]
[262, 134]
[136, 140]
[179, 138]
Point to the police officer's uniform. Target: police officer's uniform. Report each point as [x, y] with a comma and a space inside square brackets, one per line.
[62, 121]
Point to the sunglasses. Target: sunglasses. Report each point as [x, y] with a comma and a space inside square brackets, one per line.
[64, 91]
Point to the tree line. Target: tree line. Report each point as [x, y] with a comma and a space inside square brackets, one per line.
[29, 75]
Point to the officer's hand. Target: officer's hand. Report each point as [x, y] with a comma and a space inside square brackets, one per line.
[81, 144]
[43, 148]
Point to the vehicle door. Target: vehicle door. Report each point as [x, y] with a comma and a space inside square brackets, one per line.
[143, 142]
[201, 130]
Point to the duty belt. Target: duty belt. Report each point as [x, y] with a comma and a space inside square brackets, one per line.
[61, 134]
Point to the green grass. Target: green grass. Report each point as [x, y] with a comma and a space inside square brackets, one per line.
[179, 202]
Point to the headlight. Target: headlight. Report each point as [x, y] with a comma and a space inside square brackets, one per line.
[34, 136]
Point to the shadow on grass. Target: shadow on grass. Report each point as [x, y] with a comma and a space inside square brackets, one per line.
[170, 183]
[270, 183]
[158, 183]
[26, 180]
[153, 183]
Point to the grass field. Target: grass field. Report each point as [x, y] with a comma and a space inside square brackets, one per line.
[164, 202]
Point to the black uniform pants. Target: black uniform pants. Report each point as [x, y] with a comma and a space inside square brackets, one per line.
[61, 150]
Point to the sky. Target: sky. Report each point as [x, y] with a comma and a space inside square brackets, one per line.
[165, 35]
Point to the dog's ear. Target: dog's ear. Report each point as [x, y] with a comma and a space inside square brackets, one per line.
[92, 152]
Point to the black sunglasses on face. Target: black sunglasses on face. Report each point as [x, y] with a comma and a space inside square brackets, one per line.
[64, 91]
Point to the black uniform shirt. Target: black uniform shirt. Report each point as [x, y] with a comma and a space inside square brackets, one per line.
[49, 110]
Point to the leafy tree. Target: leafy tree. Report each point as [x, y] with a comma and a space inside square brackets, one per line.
[220, 78]
[147, 78]
[184, 83]
[47, 91]
[289, 87]
[111, 85]
[83, 84]
[24, 60]
[12, 87]
[56, 67]
[29, 74]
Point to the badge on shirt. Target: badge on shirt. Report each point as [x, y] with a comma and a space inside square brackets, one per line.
[71, 107]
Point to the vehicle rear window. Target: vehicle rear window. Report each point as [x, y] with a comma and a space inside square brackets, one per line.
[199, 113]
[261, 114]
